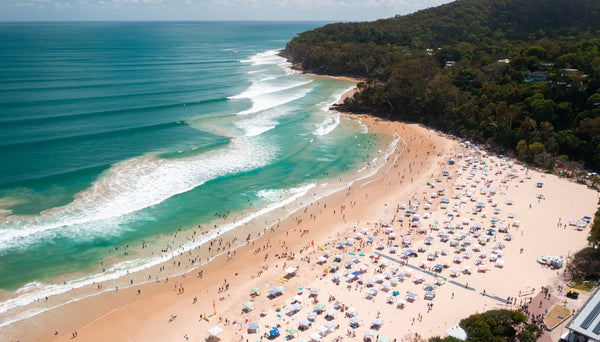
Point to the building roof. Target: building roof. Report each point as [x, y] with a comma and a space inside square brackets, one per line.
[587, 321]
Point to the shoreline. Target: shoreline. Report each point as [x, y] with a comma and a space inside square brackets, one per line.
[127, 315]
[73, 297]
[86, 280]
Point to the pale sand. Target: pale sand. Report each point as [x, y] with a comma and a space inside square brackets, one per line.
[125, 316]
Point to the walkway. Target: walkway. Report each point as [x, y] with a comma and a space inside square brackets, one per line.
[464, 286]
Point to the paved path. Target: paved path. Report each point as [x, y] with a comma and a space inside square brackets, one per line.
[464, 286]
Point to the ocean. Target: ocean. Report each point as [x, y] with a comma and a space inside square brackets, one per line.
[113, 134]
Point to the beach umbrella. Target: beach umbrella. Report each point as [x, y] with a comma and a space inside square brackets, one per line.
[395, 293]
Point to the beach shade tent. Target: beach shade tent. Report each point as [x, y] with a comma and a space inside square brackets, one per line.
[401, 303]
[291, 270]
[386, 285]
[312, 316]
[429, 295]
[253, 327]
[429, 286]
[587, 219]
[424, 264]
[355, 274]
[380, 278]
[337, 277]
[294, 308]
[319, 307]
[291, 332]
[457, 332]
[214, 332]
[363, 268]
[276, 291]
[323, 330]
[304, 324]
[337, 257]
[411, 296]
[418, 279]
[334, 266]
[371, 293]
[341, 244]
[482, 268]
[500, 263]
[248, 306]
[377, 322]
[355, 321]
[255, 291]
[383, 339]
[467, 269]
[315, 337]
[330, 314]
[438, 268]
[368, 334]
[454, 273]
[314, 291]
[349, 264]
[321, 260]
[351, 311]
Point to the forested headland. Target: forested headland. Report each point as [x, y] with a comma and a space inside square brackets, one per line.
[522, 76]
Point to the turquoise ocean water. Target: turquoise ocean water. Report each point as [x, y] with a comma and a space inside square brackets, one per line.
[114, 133]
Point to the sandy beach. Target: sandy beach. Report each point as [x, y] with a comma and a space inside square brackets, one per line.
[363, 229]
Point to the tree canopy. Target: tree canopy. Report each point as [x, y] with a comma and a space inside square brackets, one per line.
[497, 325]
[519, 75]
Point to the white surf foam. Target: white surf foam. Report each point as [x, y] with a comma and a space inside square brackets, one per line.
[330, 122]
[265, 58]
[263, 87]
[268, 101]
[34, 291]
[132, 186]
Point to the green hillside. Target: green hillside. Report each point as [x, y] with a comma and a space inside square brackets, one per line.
[520, 75]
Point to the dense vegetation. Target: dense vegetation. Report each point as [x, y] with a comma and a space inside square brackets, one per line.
[520, 75]
[497, 325]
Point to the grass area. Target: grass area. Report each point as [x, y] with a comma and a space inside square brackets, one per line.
[584, 285]
[556, 316]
